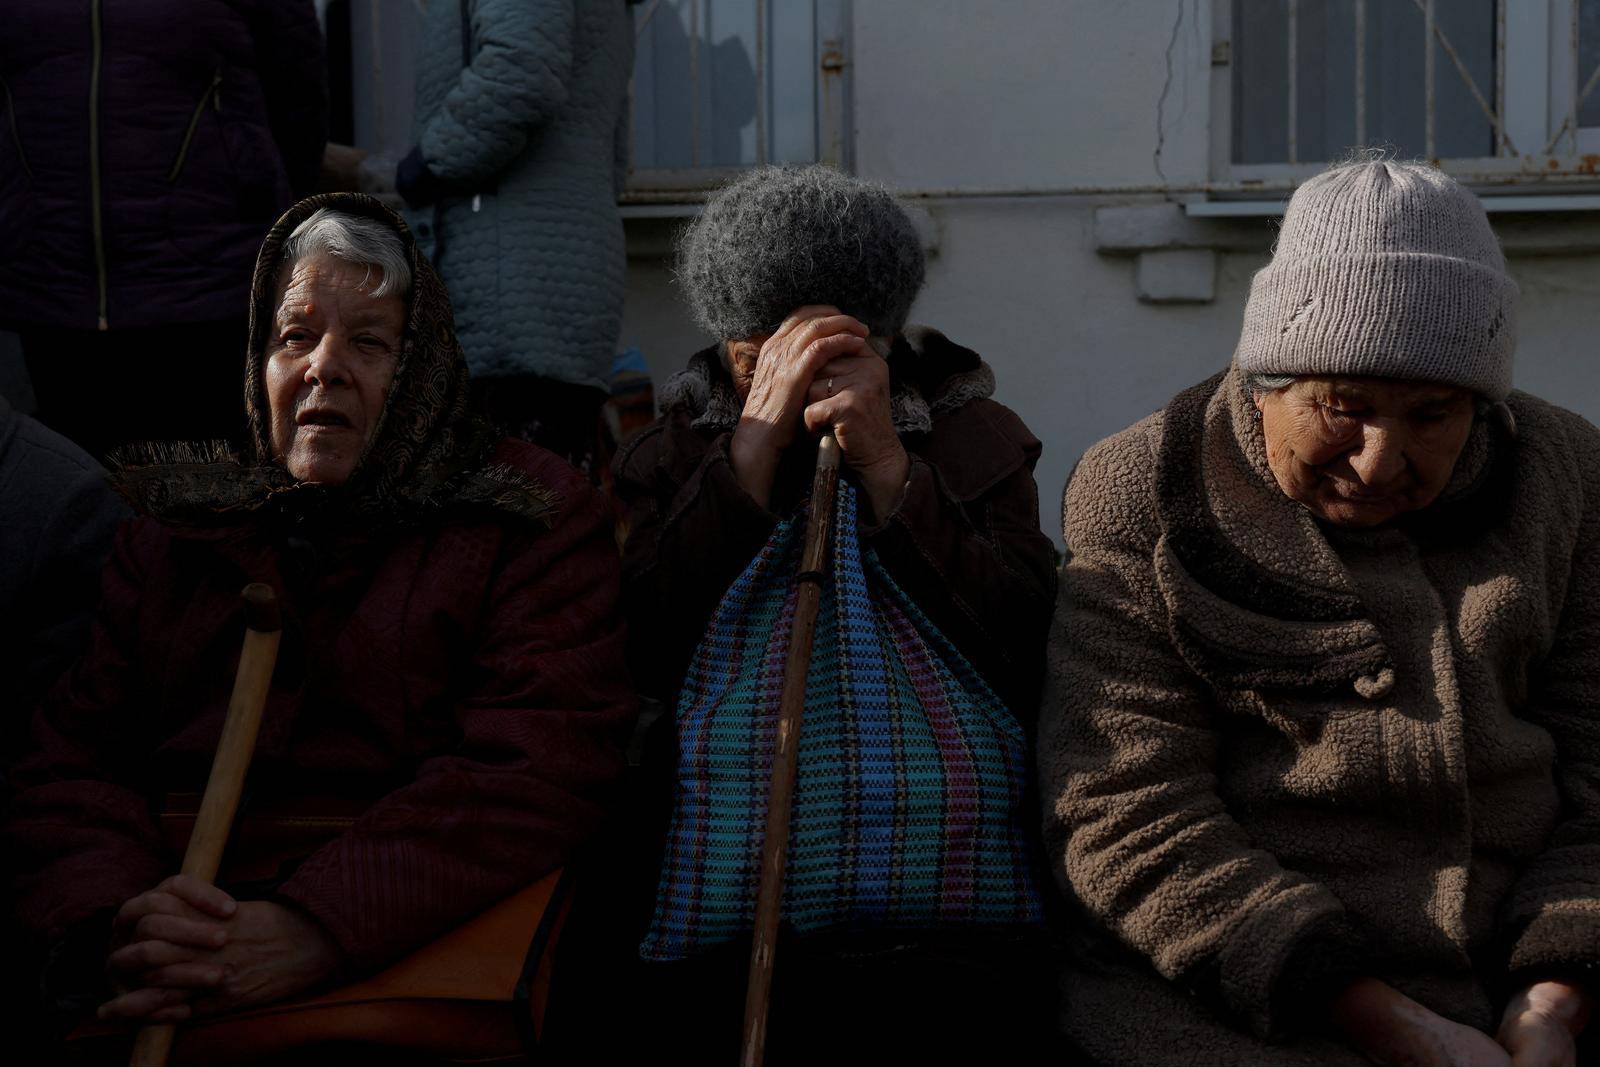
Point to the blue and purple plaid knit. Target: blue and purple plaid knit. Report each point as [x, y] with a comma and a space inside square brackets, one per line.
[908, 809]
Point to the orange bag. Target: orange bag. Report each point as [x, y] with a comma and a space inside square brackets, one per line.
[476, 995]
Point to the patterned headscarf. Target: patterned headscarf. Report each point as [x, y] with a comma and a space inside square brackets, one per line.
[426, 453]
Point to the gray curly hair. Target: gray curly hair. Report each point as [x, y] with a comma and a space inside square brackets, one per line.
[779, 238]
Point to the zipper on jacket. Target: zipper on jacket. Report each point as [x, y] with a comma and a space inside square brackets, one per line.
[212, 97]
[16, 135]
[94, 166]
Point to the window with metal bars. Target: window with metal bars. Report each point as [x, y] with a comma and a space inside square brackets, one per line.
[1491, 88]
[720, 85]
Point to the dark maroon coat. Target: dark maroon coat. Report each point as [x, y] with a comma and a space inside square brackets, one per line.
[208, 117]
[463, 677]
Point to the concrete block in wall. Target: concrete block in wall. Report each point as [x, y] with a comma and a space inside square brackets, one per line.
[1184, 276]
[1130, 229]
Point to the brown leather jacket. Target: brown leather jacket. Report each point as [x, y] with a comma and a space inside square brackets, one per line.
[964, 543]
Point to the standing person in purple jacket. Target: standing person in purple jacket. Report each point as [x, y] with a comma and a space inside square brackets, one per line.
[146, 146]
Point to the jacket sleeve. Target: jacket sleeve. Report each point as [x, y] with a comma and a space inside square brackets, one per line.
[542, 722]
[516, 83]
[80, 829]
[1128, 757]
[688, 539]
[67, 555]
[977, 562]
[294, 78]
[1553, 911]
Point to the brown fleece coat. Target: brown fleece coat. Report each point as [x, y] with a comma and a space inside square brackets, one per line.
[1276, 755]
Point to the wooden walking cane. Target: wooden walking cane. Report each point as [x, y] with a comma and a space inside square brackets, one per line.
[262, 624]
[786, 752]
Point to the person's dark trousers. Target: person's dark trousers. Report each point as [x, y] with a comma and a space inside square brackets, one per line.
[556, 415]
[951, 997]
[105, 389]
[837, 1000]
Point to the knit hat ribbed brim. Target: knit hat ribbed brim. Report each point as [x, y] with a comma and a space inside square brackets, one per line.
[1385, 269]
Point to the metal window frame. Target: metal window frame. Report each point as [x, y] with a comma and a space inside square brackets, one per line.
[1535, 102]
[832, 20]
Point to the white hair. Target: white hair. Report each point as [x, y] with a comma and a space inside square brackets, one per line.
[354, 239]
[1259, 385]
[1266, 384]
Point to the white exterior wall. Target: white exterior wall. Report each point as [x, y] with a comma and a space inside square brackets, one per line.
[1063, 95]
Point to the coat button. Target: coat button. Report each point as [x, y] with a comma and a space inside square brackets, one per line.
[1375, 686]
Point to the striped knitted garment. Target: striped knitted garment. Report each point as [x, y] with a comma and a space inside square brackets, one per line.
[908, 809]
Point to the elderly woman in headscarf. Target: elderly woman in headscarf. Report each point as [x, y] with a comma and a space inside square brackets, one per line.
[806, 276]
[450, 687]
[1321, 741]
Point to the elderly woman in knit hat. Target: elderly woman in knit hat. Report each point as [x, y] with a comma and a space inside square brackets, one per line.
[804, 277]
[1320, 738]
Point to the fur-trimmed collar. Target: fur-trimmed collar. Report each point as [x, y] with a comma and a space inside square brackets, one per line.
[1231, 539]
[204, 484]
[929, 374]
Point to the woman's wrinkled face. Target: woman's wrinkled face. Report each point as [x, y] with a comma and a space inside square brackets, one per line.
[330, 360]
[1360, 451]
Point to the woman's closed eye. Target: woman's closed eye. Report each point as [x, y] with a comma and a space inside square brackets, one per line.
[1340, 420]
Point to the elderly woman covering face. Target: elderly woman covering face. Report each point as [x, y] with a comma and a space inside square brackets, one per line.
[1321, 738]
[449, 689]
[806, 277]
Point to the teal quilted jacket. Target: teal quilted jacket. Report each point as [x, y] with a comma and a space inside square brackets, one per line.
[530, 137]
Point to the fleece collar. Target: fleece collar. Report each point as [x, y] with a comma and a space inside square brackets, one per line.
[1259, 597]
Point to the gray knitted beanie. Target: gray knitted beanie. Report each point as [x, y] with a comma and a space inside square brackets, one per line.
[779, 238]
[1386, 269]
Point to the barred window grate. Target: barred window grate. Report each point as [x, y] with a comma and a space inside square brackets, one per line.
[722, 84]
[1314, 78]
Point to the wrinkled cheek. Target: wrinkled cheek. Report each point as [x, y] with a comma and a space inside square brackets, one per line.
[298, 455]
[320, 459]
[1292, 473]
[1309, 488]
[283, 440]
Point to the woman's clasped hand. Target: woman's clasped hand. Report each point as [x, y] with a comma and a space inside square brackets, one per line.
[186, 948]
[820, 371]
[1538, 1029]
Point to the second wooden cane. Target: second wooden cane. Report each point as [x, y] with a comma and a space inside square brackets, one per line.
[263, 627]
